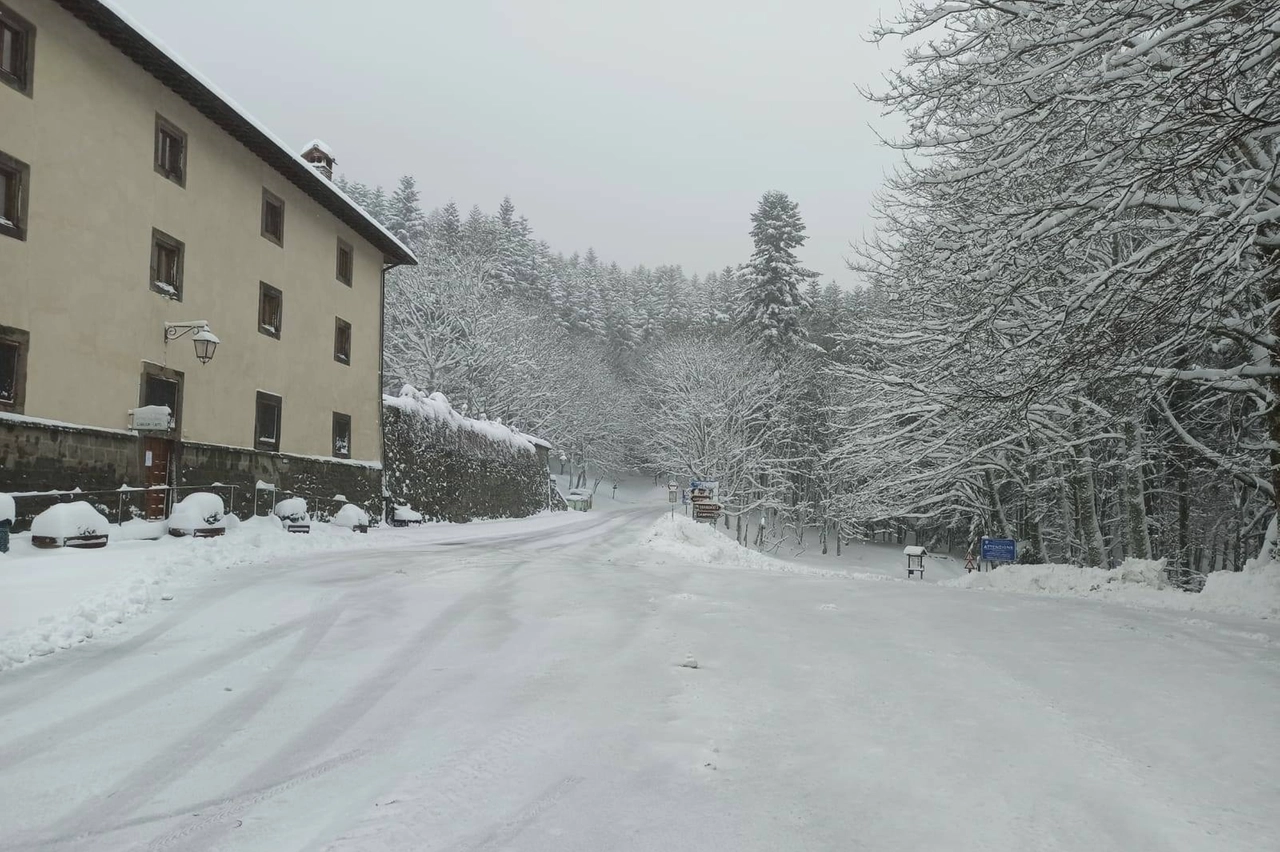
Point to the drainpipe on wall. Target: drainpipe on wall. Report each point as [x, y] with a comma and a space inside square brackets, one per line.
[382, 333]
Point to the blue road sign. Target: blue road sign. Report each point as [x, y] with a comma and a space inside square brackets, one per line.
[999, 550]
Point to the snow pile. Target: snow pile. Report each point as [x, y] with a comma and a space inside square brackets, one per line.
[1140, 582]
[123, 580]
[350, 516]
[1133, 580]
[292, 509]
[687, 540]
[8, 512]
[1254, 591]
[436, 407]
[404, 513]
[65, 520]
[201, 510]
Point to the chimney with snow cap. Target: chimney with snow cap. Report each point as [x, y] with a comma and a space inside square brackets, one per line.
[320, 157]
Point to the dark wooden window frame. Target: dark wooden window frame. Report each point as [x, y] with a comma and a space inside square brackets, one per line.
[269, 399]
[25, 79]
[20, 191]
[21, 339]
[343, 420]
[152, 370]
[269, 198]
[346, 275]
[166, 127]
[266, 291]
[339, 326]
[160, 238]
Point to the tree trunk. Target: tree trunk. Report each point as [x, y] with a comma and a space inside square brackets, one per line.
[1139, 535]
[1087, 506]
[999, 518]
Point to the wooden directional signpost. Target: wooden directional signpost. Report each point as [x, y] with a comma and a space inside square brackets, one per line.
[704, 495]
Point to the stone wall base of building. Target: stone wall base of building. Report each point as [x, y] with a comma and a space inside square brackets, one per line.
[40, 457]
[317, 481]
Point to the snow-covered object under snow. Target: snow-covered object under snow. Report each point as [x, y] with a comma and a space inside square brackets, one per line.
[404, 513]
[201, 510]
[292, 509]
[65, 520]
[349, 516]
[436, 407]
[8, 512]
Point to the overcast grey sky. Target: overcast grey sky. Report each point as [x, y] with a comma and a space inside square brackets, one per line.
[647, 129]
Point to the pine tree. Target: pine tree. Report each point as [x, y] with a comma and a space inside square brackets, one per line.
[449, 231]
[404, 217]
[773, 309]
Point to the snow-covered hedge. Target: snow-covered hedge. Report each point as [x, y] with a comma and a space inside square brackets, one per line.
[455, 468]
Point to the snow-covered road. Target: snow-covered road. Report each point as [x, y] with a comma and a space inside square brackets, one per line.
[522, 690]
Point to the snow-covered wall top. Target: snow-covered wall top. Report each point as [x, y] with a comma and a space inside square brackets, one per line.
[436, 407]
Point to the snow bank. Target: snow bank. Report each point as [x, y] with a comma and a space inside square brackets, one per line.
[112, 585]
[1139, 582]
[689, 541]
[436, 407]
[1254, 591]
[64, 520]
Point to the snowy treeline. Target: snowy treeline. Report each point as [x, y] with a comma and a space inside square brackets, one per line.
[701, 376]
[1075, 303]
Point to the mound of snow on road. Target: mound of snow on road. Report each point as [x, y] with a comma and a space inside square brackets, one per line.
[119, 582]
[1138, 582]
[689, 541]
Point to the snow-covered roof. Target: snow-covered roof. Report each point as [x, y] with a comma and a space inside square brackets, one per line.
[321, 147]
[131, 39]
[914, 550]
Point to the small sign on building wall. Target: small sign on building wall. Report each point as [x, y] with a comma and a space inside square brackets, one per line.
[151, 418]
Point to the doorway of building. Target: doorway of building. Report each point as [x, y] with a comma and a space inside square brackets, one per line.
[160, 386]
[157, 455]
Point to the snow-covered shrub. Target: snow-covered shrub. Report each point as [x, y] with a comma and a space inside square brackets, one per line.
[69, 520]
[292, 510]
[350, 516]
[201, 510]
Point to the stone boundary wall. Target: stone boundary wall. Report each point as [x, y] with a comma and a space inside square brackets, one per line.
[38, 455]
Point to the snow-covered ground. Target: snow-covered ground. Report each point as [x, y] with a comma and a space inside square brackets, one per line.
[524, 686]
[52, 600]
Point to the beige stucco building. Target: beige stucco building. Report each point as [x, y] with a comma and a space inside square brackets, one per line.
[136, 195]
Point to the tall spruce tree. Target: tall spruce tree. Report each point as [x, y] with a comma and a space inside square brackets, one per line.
[404, 216]
[773, 306]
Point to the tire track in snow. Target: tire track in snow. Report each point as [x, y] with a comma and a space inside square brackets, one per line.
[39, 741]
[178, 759]
[340, 718]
